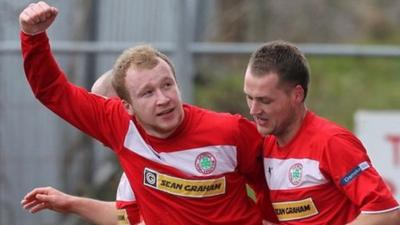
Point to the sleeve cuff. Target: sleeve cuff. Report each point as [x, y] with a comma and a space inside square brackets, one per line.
[33, 38]
[381, 207]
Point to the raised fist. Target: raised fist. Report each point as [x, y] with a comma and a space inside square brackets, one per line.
[37, 17]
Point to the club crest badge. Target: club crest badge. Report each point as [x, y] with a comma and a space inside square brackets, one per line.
[295, 174]
[205, 163]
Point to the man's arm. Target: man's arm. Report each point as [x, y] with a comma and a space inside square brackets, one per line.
[387, 218]
[105, 120]
[365, 188]
[93, 211]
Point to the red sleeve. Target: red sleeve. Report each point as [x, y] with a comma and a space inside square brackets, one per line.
[249, 144]
[264, 204]
[132, 210]
[345, 160]
[250, 161]
[90, 113]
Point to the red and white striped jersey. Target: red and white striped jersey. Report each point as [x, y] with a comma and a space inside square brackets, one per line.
[195, 176]
[323, 176]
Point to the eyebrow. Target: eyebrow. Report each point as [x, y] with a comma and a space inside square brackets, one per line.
[262, 97]
[167, 79]
[140, 89]
[255, 96]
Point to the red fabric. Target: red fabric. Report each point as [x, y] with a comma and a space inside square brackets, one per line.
[338, 153]
[108, 122]
[132, 209]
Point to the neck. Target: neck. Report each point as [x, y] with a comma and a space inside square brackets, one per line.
[161, 135]
[293, 127]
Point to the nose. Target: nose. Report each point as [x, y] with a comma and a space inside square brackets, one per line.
[254, 107]
[162, 98]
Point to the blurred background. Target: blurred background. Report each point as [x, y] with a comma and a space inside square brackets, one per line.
[353, 48]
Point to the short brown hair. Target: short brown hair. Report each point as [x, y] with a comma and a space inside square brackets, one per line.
[284, 59]
[139, 57]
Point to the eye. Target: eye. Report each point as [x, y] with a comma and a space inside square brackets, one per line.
[167, 85]
[265, 101]
[146, 93]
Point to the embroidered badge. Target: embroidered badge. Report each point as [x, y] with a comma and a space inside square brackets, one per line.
[205, 163]
[296, 173]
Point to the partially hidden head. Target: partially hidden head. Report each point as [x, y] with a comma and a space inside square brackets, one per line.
[145, 80]
[102, 86]
[276, 86]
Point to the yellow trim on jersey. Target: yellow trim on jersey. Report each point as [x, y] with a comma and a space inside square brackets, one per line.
[293, 210]
[184, 187]
[122, 216]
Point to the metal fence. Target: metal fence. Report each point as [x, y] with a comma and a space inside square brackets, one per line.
[34, 144]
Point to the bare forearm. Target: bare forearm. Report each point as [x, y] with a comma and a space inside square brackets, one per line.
[94, 211]
[388, 218]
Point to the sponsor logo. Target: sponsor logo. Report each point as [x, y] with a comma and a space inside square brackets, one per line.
[293, 210]
[296, 173]
[354, 173]
[205, 163]
[184, 187]
[150, 178]
[122, 217]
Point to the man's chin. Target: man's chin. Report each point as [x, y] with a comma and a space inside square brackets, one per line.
[263, 131]
[168, 127]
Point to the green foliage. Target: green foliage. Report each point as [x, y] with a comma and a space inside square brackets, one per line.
[339, 87]
[342, 85]
[222, 93]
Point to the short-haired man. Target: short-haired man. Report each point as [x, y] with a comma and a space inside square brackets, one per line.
[186, 165]
[317, 171]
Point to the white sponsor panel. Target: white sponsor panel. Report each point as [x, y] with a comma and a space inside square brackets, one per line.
[379, 131]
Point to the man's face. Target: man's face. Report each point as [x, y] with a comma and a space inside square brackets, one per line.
[271, 105]
[156, 101]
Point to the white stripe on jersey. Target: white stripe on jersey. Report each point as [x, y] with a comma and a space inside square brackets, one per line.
[280, 173]
[184, 159]
[124, 191]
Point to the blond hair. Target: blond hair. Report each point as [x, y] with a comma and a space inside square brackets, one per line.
[139, 57]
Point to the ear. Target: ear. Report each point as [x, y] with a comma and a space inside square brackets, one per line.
[128, 107]
[298, 93]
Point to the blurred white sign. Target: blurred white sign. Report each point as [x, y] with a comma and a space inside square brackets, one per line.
[379, 131]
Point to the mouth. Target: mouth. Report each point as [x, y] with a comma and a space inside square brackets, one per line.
[262, 121]
[165, 112]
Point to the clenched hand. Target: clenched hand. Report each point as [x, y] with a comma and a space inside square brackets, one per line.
[37, 17]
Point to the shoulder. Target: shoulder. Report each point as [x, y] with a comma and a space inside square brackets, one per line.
[213, 116]
[325, 129]
[336, 138]
[222, 122]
